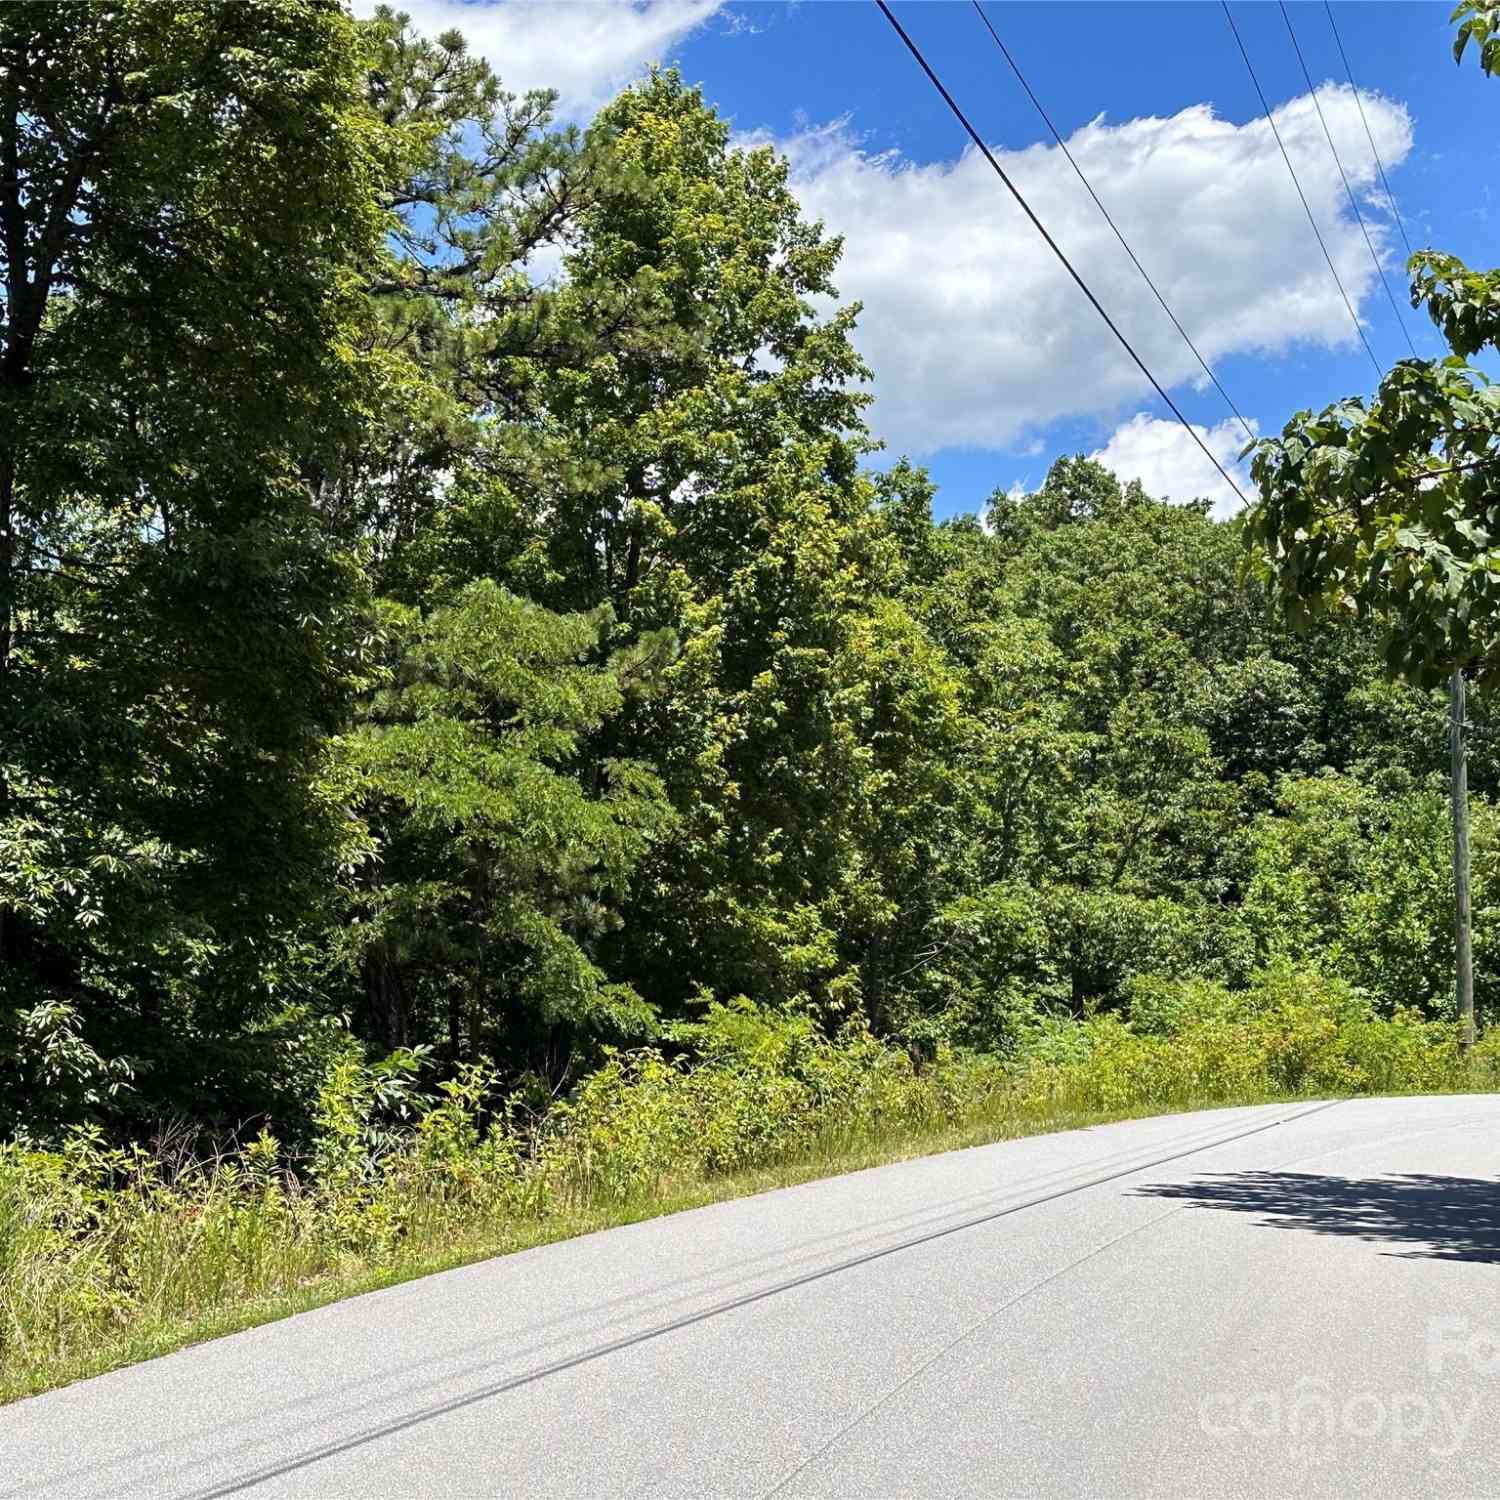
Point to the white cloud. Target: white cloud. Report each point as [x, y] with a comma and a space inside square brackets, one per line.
[586, 51]
[1171, 466]
[978, 337]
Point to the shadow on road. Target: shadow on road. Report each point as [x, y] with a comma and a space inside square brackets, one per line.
[1443, 1218]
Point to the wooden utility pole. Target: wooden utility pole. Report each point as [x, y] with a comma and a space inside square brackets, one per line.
[1461, 916]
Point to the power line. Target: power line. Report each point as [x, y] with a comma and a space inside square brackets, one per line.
[1052, 244]
[1271, 121]
[1390, 197]
[1047, 120]
[1344, 177]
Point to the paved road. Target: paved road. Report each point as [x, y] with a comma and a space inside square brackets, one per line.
[1300, 1299]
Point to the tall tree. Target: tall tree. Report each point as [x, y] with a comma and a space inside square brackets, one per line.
[186, 192]
[718, 494]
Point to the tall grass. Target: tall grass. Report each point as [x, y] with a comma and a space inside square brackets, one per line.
[108, 1254]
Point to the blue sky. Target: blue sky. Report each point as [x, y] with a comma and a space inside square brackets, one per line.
[988, 362]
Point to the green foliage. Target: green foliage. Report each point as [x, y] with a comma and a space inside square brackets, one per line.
[1385, 510]
[1381, 512]
[188, 192]
[1289, 1032]
[1480, 24]
[1464, 304]
[717, 495]
[499, 843]
[53, 1076]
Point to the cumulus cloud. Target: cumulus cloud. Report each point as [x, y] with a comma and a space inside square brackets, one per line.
[978, 337]
[585, 51]
[1171, 466]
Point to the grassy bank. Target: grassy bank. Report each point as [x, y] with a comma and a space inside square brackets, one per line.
[109, 1256]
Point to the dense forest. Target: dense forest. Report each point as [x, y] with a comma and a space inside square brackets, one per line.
[450, 601]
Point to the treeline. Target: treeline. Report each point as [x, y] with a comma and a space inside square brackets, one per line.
[448, 601]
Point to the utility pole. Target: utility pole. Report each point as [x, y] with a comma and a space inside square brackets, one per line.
[1461, 916]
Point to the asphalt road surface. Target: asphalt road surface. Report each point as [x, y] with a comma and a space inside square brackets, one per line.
[1298, 1299]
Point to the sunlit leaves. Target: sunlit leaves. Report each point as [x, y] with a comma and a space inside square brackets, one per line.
[502, 850]
[1479, 23]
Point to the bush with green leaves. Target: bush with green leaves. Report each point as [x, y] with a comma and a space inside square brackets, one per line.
[1358, 876]
[1184, 1043]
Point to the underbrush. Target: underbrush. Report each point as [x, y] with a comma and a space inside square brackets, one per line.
[108, 1254]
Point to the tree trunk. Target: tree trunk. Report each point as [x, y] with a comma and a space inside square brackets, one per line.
[385, 996]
